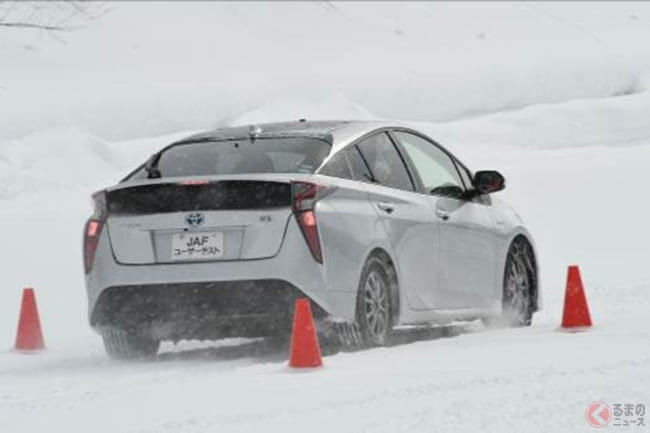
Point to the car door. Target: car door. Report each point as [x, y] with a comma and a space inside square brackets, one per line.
[466, 230]
[407, 218]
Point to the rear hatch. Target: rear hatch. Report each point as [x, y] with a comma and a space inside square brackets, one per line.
[189, 221]
[208, 200]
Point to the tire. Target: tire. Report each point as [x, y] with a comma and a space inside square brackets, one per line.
[122, 345]
[519, 284]
[377, 303]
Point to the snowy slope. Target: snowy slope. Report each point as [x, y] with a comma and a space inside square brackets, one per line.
[148, 69]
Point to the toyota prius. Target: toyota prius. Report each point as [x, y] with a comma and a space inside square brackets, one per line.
[377, 224]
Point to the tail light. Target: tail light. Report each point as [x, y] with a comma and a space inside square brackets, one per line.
[305, 195]
[93, 230]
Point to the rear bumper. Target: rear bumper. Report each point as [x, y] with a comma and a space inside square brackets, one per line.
[200, 310]
[210, 299]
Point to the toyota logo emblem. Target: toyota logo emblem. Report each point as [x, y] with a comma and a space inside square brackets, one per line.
[194, 219]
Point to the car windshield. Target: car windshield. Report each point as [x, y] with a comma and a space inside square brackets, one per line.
[263, 155]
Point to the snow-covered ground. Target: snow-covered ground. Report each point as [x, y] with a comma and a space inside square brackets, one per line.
[574, 147]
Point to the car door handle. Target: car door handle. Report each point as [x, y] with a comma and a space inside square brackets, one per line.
[386, 207]
[442, 214]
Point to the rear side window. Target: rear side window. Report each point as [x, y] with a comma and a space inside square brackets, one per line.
[264, 155]
[347, 164]
[338, 166]
[357, 164]
[385, 163]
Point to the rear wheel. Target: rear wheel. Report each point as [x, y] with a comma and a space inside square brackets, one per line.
[120, 344]
[376, 303]
[519, 284]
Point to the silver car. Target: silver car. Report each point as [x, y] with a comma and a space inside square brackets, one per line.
[378, 225]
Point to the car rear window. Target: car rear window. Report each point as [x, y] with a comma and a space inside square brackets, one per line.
[263, 155]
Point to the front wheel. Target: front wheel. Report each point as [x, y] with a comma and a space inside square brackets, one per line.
[519, 284]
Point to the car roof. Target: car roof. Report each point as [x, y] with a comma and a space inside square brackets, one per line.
[336, 132]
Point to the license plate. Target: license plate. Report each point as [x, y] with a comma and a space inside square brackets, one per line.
[197, 246]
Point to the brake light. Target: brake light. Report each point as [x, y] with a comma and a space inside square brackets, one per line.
[93, 228]
[305, 196]
[91, 241]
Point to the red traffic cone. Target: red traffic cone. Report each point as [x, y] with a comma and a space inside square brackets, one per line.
[305, 350]
[29, 336]
[576, 310]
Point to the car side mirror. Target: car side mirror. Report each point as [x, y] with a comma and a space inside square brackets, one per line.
[488, 181]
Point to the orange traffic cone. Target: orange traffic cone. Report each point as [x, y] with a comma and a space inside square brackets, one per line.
[576, 310]
[305, 350]
[29, 336]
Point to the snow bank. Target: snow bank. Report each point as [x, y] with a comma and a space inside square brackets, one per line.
[69, 160]
[59, 159]
[615, 121]
[149, 69]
